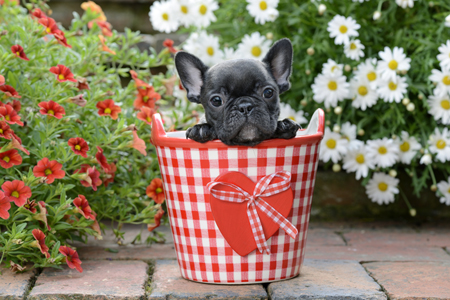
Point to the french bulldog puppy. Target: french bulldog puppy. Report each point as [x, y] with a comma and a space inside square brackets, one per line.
[240, 96]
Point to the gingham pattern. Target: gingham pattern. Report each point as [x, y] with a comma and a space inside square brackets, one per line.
[202, 252]
[263, 188]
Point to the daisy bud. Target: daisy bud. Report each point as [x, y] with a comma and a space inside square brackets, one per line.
[394, 137]
[376, 15]
[361, 132]
[310, 51]
[393, 173]
[412, 212]
[431, 4]
[422, 151]
[426, 159]
[269, 35]
[405, 101]
[328, 110]
[403, 72]
[322, 9]
[410, 107]
[336, 128]
[338, 110]
[308, 72]
[347, 68]
[336, 168]
[420, 97]
[327, 122]
[433, 188]
[304, 102]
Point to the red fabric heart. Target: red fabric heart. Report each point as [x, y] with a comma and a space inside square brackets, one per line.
[232, 220]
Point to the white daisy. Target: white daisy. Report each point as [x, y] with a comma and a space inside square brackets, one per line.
[356, 160]
[381, 188]
[408, 147]
[362, 93]
[444, 55]
[447, 21]
[185, 12]
[440, 108]
[368, 70]
[204, 12]
[426, 159]
[348, 131]
[263, 10]
[392, 61]
[354, 50]
[444, 189]
[383, 152]
[342, 28]
[330, 89]
[229, 53]
[392, 90]
[442, 79]
[253, 46]
[332, 68]
[332, 147]
[440, 144]
[286, 111]
[163, 16]
[405, 3]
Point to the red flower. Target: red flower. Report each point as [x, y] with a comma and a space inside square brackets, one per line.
[16, 191]
[5, 130]
[72, 258]
[50, 169]
[139, 83]
[38, 13]
[18, 51]
[40, 238]
[107, 108]
[168, 43]
[104, 46]
[158, 217]
[93, 174]
[82, 84]
[83, 207]
[10, 115]
[50, 25]
[4, 206]
[10, 158]
[110, 175]
[2, 80]
[42, 216]
[61, 39]
[16, 105]
[30, 205]
[9, 91]
[62, 73]
[79, 146]
[146, 114]
[16, 143]
[138, 143]
[155, 190]
[51, 108]
[101, 158]
[104, 26]
[146, 97]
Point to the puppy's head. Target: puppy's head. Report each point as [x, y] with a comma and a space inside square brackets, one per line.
[241, 96]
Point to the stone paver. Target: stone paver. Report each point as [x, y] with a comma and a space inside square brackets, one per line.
[156, 251]
[323, 237]
[325, 279]
[99, 280]
[14, 285]
[167, 283]
[412, 280]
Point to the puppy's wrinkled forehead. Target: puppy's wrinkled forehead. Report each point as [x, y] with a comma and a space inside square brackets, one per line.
[239, 76]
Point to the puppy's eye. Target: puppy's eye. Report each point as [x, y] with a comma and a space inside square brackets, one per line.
[216, 101]
[268, 93]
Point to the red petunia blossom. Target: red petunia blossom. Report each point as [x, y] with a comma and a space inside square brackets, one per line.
[168, 43]
[82, 84]
[110, 175]
[93, 174]
[72, 258]
[38, 13]
[17, 50]
[101, 158]
[79, 146]
[50, 169]
[146, 97]
[2, 80]
[158, 216]
[50, 25]
[104, 26]
[10, 115]
[155, 190]
[104, 46]
[15, 143]
[5, 130]
[30, 205]
[139, 82]
[63, 73]
[61, 38]
[146, 114]
[16, 191]
[52, 109]
[138, 143]
[107, 108]
[83, 207]
[40, 238]
[10, 158]
[16, 105]
[4, 206]
[9, 91]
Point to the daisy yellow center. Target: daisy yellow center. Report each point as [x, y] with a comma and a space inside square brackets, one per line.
[7, 118]
[107, 110]
[331, 144]
[149, 120]
[15, 194]
[404, 147]
[382, 150]
[382, 186]
[145, 98]
[256, 51]
[158, 190]
[48, 172]
[203, 9]
[165, 16]
[333, 68]
[392, 86]
[440, 144]
[77, 147]
[292, 118]
[393, 64]
[445, 104]
[332, 85]
[210, 51]
[48, 29]
[1, 131]
[343, 29]
[446, 80]
[184, 9]
[263, 5]
[360, 159]
[6, 158]
[371, 76]
[61, 76]
[352, 46]
[362, 90]
[50, 112]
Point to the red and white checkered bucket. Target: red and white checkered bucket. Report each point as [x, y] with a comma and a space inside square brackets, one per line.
[187, 167]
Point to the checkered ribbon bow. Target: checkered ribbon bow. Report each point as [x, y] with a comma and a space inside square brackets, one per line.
[263, 188]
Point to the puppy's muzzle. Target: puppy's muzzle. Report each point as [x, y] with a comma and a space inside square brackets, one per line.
[245, 108]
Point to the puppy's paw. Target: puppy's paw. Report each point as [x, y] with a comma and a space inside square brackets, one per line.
[286, 129]
[201, 133]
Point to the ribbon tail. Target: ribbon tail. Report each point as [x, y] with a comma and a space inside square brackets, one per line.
[278, 218]
[257, 229]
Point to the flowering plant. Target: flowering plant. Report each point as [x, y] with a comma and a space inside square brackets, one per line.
[74, 132]
[380, 69]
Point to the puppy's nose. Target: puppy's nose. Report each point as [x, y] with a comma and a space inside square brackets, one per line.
[245, 108]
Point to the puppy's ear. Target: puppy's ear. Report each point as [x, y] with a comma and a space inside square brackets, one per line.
[279, 61]
[191, 71]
